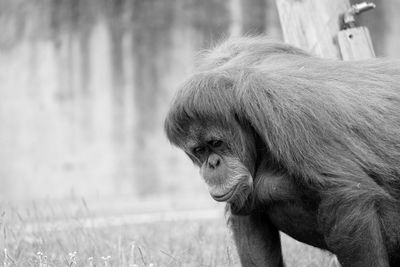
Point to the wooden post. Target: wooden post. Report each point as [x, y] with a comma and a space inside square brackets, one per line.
[355, 43]
[312, 24]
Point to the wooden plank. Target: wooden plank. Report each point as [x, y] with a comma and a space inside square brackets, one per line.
[312, 24]
[355, 43]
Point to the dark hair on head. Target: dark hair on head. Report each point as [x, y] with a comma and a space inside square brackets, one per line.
[244, 51]
[207, 96]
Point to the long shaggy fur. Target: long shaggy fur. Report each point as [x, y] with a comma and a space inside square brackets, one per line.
[322, 119]
[330, 126]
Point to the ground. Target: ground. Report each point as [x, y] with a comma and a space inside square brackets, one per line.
[74, 235]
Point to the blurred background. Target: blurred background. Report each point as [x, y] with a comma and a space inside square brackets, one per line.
[85, 168]
[85, 86]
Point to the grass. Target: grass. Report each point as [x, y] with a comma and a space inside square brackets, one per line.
[201, 242]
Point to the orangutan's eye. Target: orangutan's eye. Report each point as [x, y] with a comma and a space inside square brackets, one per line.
[215, 143]
[199, 150]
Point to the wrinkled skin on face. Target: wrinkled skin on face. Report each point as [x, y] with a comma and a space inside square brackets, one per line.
[226, 163]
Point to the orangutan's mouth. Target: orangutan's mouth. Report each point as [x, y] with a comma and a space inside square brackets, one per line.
[227, 196]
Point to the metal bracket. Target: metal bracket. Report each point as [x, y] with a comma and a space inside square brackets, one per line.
[349, 19]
